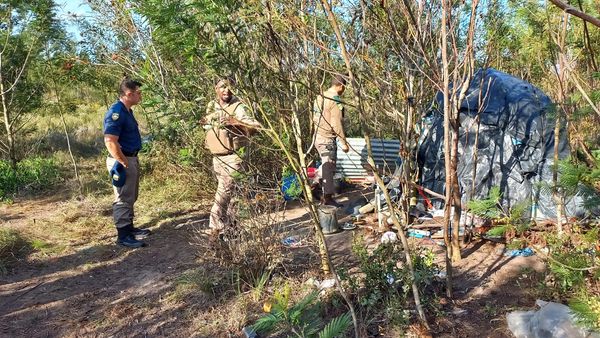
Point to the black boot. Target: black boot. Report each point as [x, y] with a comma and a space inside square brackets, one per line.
[127, 239]
[139, 233]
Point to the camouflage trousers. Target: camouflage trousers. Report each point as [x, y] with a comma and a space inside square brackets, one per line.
[225, 167]
[327, 149]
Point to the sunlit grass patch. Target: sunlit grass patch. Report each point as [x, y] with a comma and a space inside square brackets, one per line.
[75, 223]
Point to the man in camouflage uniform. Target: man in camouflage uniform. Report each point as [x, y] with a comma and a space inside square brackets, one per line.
[327, 119]
[227, 112]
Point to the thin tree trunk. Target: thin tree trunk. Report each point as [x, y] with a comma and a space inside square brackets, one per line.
[326, 262]
[556, 194]
[357, 92]
[64, 123]
[562, 76]
[7, 124]
[587, 40]
[447, 150]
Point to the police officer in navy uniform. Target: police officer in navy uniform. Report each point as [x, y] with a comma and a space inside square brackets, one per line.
[123, 141]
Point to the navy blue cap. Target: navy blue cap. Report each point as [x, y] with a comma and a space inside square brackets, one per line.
[117, 174]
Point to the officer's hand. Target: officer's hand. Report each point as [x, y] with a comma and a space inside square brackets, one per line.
[226, 120]
[125, 163]
[345, 147]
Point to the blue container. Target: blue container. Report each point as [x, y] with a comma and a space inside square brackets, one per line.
[289, 187]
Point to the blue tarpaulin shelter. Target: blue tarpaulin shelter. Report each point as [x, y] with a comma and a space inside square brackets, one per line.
[515, 148]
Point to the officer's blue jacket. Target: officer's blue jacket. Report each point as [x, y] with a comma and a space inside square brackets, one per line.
[120, 122]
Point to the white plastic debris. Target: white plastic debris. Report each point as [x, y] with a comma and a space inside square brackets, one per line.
[327, 284]
[389, 237]
[458, 311]
[390, 278]
[551, 320]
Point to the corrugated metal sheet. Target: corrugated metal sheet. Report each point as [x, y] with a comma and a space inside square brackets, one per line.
[353, 165]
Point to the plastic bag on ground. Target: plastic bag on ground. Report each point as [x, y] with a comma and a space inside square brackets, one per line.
[551, 320]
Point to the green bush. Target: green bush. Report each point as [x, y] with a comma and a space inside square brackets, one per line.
[12, 246]
[384, 286]
[302, 319]
[32, 174]
[586, 307]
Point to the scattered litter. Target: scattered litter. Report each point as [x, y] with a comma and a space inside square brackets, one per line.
[496, 239]
[327, 284]
[519, 252]
[293, 242]
[437, 213]
[389, 237]
[440, 234]
[348, 226]
[390, 278]
[267, 306]
[551, 320]
[440, 275]
[458, 311]
[425, 217]
[249, 332]
[312, 282]
[421, 215]
[418, 233]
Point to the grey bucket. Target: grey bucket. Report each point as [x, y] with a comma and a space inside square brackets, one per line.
[328, 219]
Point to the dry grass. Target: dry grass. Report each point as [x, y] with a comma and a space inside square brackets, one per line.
[13, 246]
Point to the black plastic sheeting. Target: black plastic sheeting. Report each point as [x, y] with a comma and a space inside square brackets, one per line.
[515, 146]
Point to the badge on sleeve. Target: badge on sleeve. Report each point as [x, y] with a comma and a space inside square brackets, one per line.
[115, 116]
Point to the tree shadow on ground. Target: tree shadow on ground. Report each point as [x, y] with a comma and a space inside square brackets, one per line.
[487, 287]
[104, 289]
[87, 254]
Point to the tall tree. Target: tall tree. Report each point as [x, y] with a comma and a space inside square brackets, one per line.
[27, 28]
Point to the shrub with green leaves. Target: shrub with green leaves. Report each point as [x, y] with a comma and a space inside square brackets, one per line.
[577, 178]
[514, 219]
[586, 307]
[302, 319]
[32, 174]
[384, 284]
[573, 260]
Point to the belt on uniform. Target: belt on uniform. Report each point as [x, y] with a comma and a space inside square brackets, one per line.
[132, 154]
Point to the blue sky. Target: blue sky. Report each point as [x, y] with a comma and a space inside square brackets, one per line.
[66, 9]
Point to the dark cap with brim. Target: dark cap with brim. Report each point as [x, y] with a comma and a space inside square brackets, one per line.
[117, 174]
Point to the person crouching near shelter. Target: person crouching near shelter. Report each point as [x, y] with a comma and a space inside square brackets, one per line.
[123, 140]
[228, 125]
[328, 116]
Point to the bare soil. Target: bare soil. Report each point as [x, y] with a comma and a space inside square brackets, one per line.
[101, 289]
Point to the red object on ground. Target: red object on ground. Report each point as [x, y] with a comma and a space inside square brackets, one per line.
[311, 172]
[427, 201]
